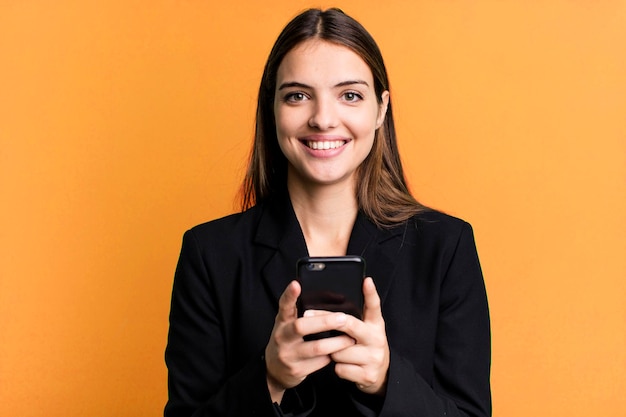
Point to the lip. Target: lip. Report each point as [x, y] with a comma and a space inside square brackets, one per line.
[324, 137]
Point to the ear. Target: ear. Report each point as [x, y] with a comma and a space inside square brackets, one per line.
[382, 108]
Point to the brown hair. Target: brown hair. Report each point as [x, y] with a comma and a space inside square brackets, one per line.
[382, 193]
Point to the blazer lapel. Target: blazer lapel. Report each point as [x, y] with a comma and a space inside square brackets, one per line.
[380, 249]
[280, 233]
[282, 242]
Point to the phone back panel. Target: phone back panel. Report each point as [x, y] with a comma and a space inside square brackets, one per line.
[332, 284]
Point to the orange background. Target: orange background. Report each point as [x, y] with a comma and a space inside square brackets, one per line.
[123, 123]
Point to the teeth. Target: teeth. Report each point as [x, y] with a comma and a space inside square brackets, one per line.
[325, 144]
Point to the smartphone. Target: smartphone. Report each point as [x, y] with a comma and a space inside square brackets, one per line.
[331, 284]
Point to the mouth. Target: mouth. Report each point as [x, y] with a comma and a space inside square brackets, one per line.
[324, 144]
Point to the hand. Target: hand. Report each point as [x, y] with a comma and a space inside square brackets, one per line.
[367, 362]
[288, 358]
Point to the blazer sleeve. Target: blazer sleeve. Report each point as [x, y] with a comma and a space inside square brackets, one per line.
[195, 353]
[460, 386]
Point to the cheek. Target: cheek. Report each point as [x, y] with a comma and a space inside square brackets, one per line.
[281, 129]
[284, 131]
[365, 124]
[285, 122]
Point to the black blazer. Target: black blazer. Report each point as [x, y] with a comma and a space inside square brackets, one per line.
[232, 272]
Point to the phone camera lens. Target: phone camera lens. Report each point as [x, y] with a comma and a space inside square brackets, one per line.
[315, 266]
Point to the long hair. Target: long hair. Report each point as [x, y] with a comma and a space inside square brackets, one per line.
[381, 189]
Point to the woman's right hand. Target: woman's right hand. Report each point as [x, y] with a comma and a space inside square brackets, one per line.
[288, 358]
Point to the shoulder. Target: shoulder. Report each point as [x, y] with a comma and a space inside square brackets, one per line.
[438, 226]
[436, 235]
[229, 221]
[221, 231]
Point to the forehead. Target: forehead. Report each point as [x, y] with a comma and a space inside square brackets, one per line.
[316, 61]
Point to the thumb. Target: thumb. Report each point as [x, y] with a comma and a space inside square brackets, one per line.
[287, 303]
[371, 305]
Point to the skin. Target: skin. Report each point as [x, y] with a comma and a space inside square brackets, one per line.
[325, 93]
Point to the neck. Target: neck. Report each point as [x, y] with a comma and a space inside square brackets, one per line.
[326, 215]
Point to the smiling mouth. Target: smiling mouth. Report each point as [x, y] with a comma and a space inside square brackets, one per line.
[324, 144]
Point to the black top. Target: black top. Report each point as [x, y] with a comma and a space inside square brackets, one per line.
[232, 271]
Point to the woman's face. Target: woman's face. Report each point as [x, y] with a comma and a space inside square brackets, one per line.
[326, 113]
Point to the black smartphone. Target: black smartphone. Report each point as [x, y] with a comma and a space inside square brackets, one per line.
[331, 284]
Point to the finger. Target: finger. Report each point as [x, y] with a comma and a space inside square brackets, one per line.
[349, 372]
[371, 304]
[326, 347]
[287, 302]
[288, 375]
[310, 325]
[308, 366]
[314, 313]
[353, 327]
[368, 380]
[359, 355]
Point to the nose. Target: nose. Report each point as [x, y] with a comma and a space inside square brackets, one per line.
[324, 114]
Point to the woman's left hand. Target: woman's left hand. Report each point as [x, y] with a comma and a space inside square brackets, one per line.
[366, 363]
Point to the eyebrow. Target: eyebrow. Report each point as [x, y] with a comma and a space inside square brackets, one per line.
[301, 85]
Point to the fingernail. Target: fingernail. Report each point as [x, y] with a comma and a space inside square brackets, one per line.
[341, 318]
[308, 313]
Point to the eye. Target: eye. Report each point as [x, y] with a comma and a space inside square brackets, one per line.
[352, 96]
[295, 97]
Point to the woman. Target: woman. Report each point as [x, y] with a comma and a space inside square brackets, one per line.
[325, 179]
